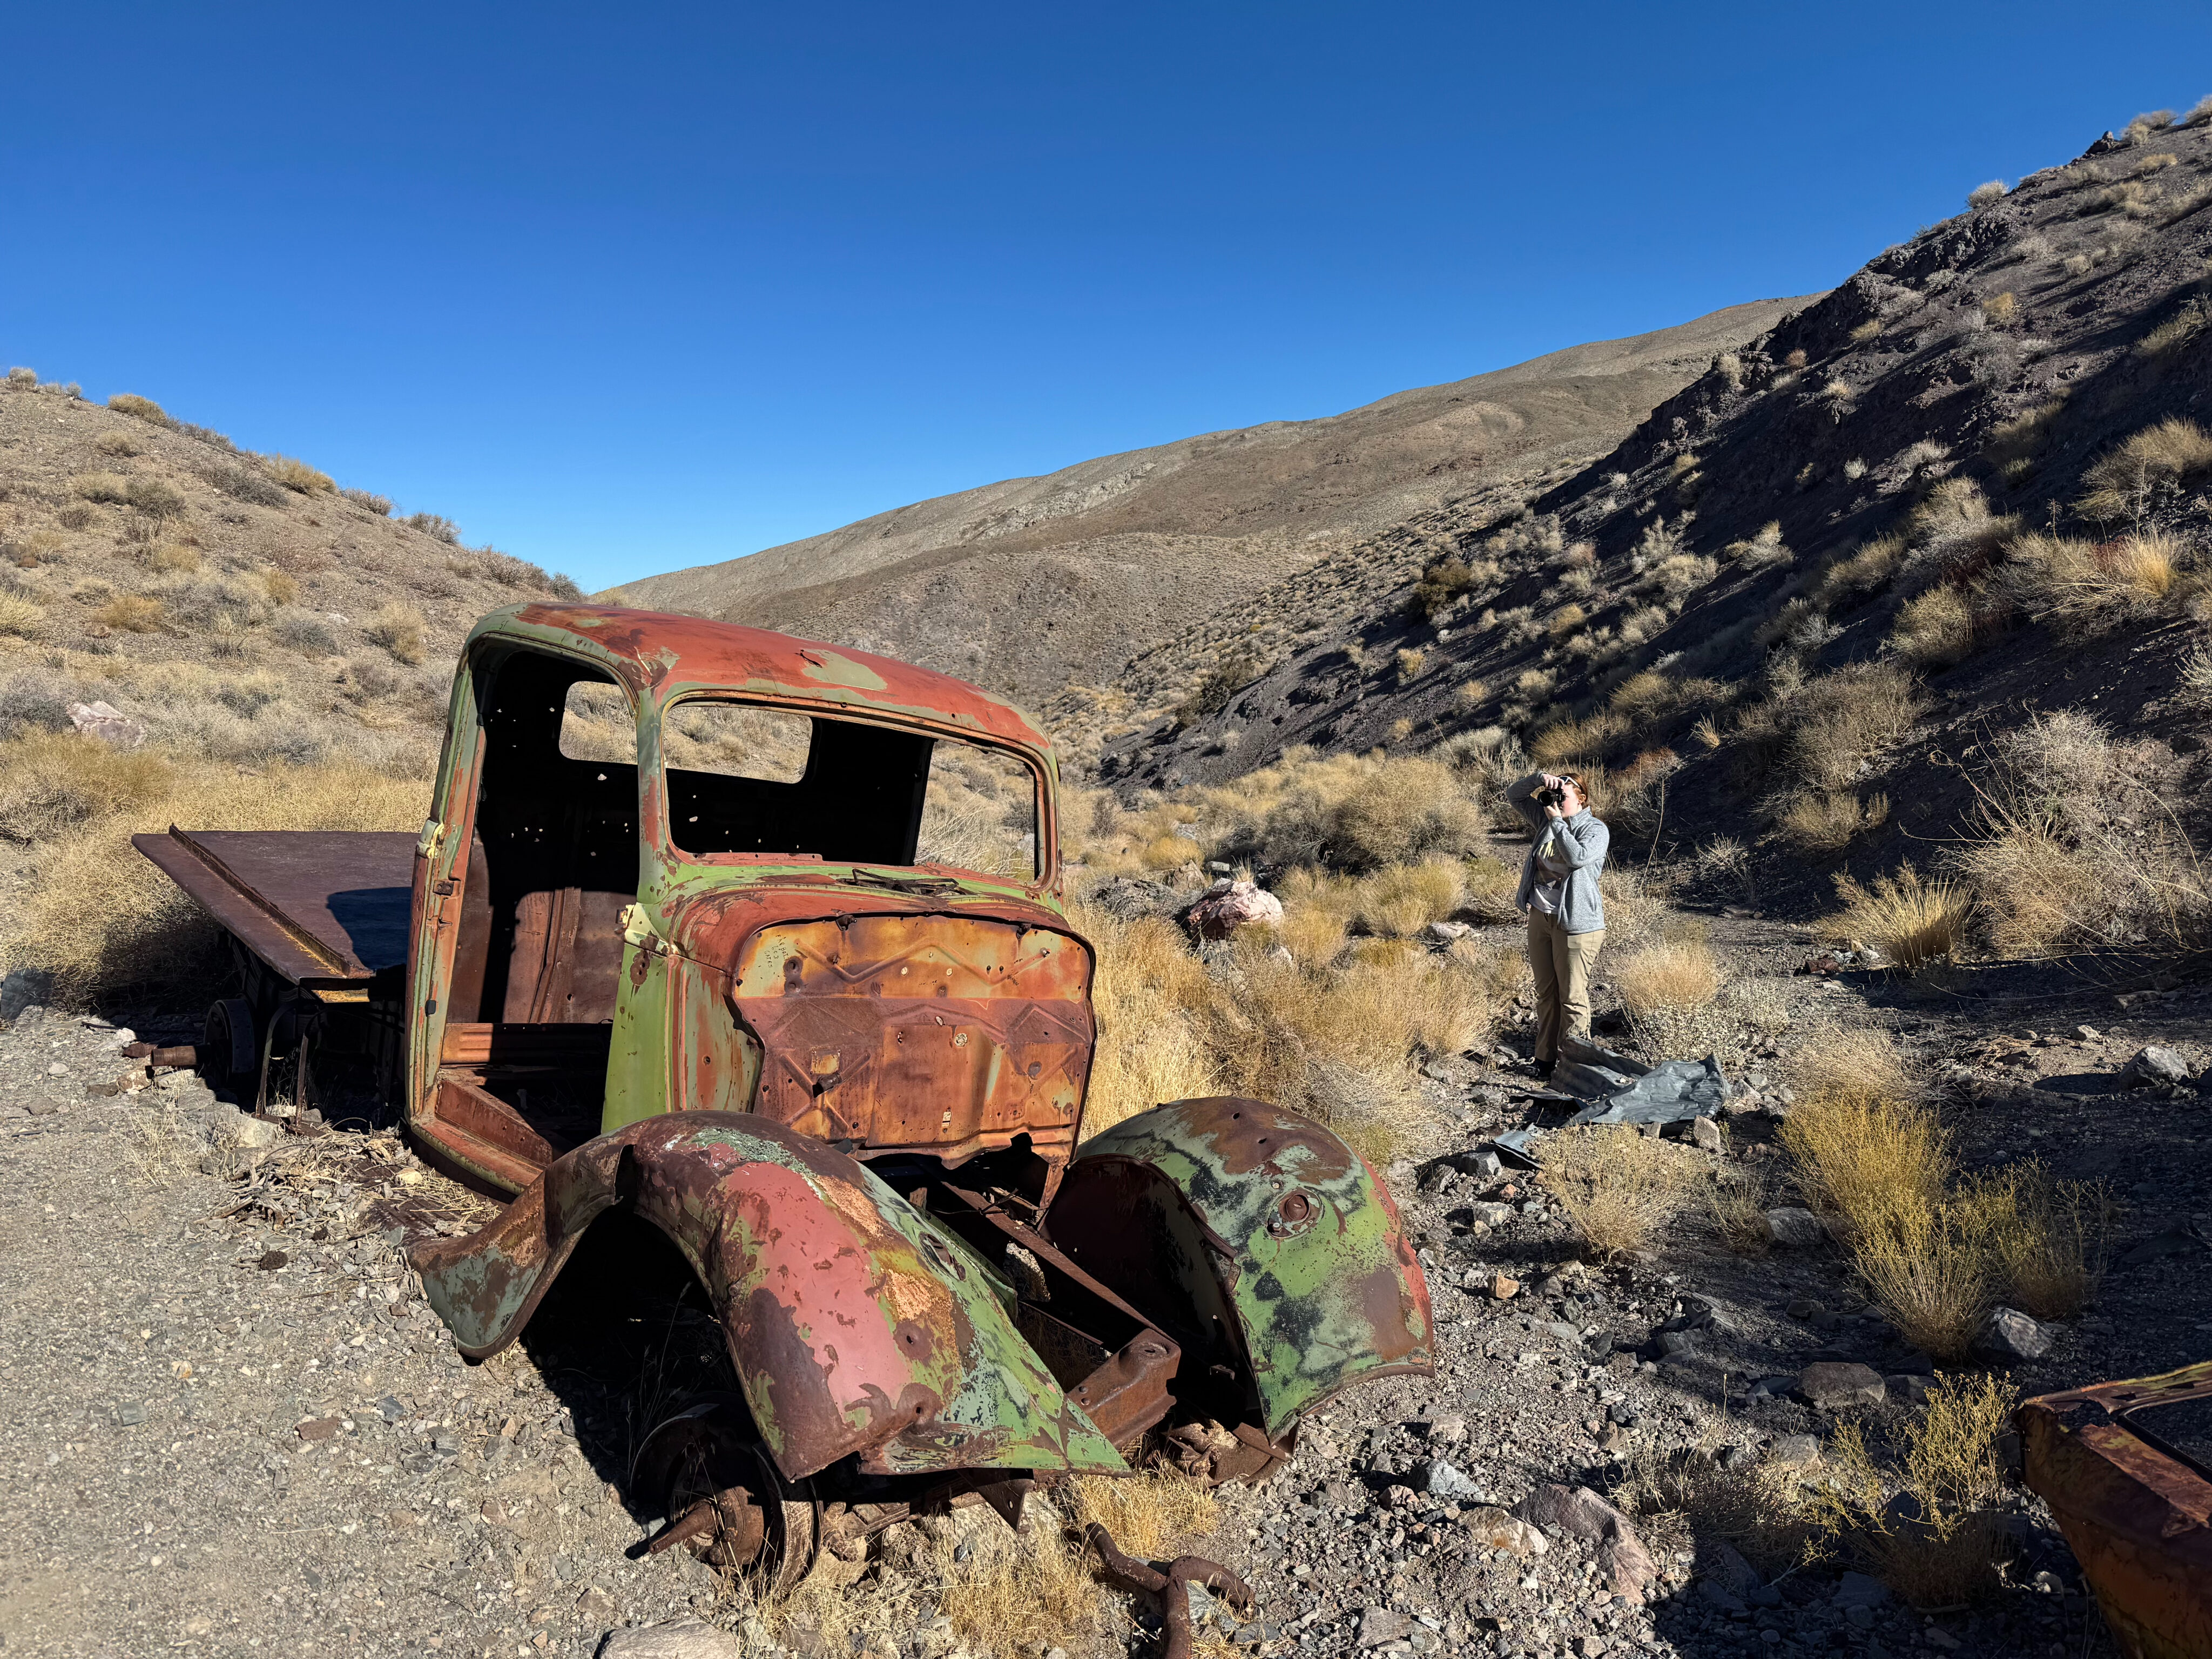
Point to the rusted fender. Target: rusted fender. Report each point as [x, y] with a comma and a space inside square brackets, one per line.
[856, 1325]
[1231, 1222]
[2137, 1515]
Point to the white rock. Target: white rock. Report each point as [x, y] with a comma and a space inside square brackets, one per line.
[686, 1638]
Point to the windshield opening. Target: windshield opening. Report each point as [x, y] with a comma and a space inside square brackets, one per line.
[749, 781]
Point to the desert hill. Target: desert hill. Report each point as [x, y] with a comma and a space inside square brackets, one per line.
[1030, 583]
[1821, 582]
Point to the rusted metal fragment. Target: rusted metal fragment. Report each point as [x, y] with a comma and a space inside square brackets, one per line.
[1259, 1240]
[1171, 1587]
[2135, 1509]
[858, 1327]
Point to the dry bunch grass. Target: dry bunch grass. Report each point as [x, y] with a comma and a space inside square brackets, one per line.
[101, 917]
[1617, 1186]
[1912, 921]
[1678, 973]
[1945, 1545]
[2172, 454]
[1936, 630]
[1757, 1508]
[1829, 820]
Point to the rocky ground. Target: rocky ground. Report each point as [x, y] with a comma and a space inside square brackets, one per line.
[236, 1429]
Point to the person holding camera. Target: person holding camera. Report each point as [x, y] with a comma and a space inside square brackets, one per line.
[1559, 892]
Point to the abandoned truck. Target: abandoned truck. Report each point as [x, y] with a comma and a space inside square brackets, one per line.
[762, 942]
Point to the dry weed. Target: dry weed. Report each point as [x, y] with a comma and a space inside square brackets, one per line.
[2156, 461]
[1935, 631]
[1912, 921]
[1829, 821]
[1924, 1265]
[1757, 1508]
[1402, 899]
[130, 613]
[1944, 1543]
[1678, 973]
[1616, 1186]
[2046, 1239]
[398, 629]
[1736, 1203]
[18, 615]
[297, 476]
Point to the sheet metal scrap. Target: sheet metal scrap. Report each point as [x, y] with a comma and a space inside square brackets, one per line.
[855, 1324]
[2135, 1509]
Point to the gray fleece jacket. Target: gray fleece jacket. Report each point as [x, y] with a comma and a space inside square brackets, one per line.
[1578, 842]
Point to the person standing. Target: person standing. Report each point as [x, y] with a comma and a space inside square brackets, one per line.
[1559, 892]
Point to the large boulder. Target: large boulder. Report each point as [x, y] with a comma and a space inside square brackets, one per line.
[1228, 905]
[1834, 1385]
[1622, 1562]
[2008, 1336]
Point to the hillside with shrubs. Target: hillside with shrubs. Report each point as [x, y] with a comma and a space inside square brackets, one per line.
[1898, 613]
[245, 644]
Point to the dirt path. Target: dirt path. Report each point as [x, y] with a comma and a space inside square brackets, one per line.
[214, 1452]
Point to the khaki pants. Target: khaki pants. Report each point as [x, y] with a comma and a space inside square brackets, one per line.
[1562, 963]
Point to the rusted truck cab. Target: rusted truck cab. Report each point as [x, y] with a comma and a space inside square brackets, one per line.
[677, 865]
[761, 941]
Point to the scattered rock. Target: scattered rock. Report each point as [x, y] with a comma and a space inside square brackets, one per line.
[1445, 932]
[1795, 1451]
[1125, 898]
[1857, 1591]
[1908, 1388]
[1576, 1510]
[1722, 1563]
[317, 1428]
[1381, 1624]
[1450, 1482]
[1503, 1289]
[1832, 1385]
[2158, 1063]
[1230, 905]
[1705, 1133]
[686, 1638]
[2008, 1336]
[23, 989]
[1447, 1431]
[1496, 1529]
[1796, 1230]
[108, 724]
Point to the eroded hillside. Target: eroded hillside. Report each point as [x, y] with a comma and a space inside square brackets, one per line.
[1026, 585]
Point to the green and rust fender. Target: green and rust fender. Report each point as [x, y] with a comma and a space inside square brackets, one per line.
[856, 1325]
[1259, 1238]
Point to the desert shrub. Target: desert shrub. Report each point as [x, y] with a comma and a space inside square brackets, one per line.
[242, 483]
[1666, 988]
[1912, 921]
[1861, 1148]
[54, 782]
[18, 615]
[297, 476]
[1736, 1203]
[2195, 681]
[119, 442]
[1567, 619]
[2073, 844]
[1828, 821]
[1843, 720]
[153, 498]
[1411, 662]
[1988, 194]
[172, 558]
[131, 613]
[1756, 1507]
[1936, 630]
[111, 488]
[280, 586]
[1763, 549]
[1390, 812]
[368, 678]
[1617, 1186]
[2176, 331]
[434, 525]
[2022, 438]
[305, 633]
[138, 408]
[2099, 586]
[2000, 310]
[29, 704]
[2154, 464]
[1924, 1266]
[512, 572]
[1577, 739]
[1925, 1518]
[398, 629]
[368, 502]
[23, 379]
[1215, 688]
[1443, 583]
[2046, 1239]
[1400, 899]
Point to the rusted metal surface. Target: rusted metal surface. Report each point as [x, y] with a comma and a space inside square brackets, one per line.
[1259, 1240]
[856, 1326]
[1171, 1587]
[724, 1499]
[316, 906]
[2135, 1509]
[950, 1033]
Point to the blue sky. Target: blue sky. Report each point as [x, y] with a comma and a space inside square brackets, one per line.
[623, 289]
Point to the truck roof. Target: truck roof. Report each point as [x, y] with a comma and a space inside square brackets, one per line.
[666, 654]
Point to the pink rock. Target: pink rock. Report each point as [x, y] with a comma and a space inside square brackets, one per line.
[1230, 905]
[110, 725]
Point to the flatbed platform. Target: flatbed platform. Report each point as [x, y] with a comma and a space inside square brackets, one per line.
[322, 909]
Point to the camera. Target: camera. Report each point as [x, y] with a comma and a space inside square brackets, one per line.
[1550, 797]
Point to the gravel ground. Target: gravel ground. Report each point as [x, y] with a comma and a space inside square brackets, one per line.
[236, 1430]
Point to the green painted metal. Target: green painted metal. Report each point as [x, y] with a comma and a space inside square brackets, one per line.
[1267, 1219]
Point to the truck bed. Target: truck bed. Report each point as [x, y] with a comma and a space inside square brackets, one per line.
[322, 907]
